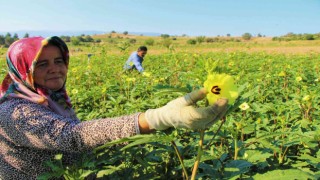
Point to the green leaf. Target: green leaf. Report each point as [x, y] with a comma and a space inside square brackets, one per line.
[259, 155]
[109, 170]
[85, 173]
[137, 140]
[284, 174]
[236, 167]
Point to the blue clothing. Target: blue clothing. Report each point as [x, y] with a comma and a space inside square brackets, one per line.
[134, 62]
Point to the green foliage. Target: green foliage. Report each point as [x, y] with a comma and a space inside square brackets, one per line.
[7, 40]
[132, 41]
[200, 39]
[166, 42]
[246, 36]
[123, 46]
[75, 41]
[149, 42]
[192, 41]
[292, 37]
[165, 36]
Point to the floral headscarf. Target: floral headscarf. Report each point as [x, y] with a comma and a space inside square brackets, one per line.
[21, 58]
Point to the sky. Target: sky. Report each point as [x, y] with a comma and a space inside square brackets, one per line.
[173, 17]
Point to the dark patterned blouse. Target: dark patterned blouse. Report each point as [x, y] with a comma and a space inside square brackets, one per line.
[31, 134]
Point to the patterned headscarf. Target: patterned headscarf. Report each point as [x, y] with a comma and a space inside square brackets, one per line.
[21, 58]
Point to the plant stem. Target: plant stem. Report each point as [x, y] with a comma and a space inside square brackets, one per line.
[211, 141]
[180, 159]
[196, 164]
[236, 148]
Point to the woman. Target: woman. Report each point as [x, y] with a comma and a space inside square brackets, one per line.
[37, 120]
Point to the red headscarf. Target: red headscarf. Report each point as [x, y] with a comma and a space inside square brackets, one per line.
[22, 57]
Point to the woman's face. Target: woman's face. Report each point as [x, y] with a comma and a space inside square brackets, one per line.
[50, 71]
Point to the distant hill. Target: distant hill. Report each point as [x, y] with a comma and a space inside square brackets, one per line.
[52, 33]
[70, 33]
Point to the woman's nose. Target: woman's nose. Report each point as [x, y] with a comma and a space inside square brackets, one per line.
[53, 68]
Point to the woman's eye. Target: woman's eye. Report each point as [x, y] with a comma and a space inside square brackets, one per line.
[42, 64]
[59, 61]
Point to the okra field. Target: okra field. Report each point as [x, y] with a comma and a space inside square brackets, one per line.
[277, 136]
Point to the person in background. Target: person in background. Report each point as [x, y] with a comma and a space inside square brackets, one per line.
[135, 59]
[37, 120]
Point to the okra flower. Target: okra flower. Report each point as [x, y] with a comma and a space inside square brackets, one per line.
[299, 78]
[220, 86]
[244, 106]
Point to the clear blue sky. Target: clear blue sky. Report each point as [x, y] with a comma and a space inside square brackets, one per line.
[173, 17]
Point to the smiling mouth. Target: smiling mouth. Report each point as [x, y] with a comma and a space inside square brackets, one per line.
[54, 78]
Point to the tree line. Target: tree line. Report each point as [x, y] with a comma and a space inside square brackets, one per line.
[8, 39]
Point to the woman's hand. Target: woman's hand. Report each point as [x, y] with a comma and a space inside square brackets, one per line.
[180, 113]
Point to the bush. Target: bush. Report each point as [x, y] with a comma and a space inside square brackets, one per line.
[211, 40]
[75, 41]
[132, 41]
[309, 37]
[200, 39]
[192, 41]
[149, 42]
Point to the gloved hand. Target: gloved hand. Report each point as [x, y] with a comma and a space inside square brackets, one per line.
[180, 113]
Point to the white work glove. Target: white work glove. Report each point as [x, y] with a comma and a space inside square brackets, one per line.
[180, 113]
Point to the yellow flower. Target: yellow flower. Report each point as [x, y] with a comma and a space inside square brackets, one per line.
[298, 78]
[259, 120]
[282, 73]
[74, 91]
[104, 90]
[146, 74]
[244, 106]
[74, 70]
[220, 86]
[306, 98]
[130, 79]
[231, 64]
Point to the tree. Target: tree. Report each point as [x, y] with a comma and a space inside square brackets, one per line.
[8, 35]
[26, 35]
[165, 36]
[88, 38]
[125, 32]
[15, 36]
[2, 40]
[8, 41]
[246, 36]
